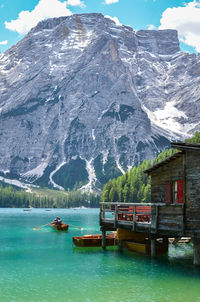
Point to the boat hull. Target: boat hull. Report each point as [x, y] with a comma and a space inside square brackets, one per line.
[62, 227]
[93, 240]
[145, 247]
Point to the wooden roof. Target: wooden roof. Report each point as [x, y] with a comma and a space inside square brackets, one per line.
[179, 146]
[158, 165]
[186, 146]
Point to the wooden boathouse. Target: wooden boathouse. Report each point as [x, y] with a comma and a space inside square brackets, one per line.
[174, 211]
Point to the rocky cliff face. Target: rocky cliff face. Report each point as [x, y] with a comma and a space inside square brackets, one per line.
[82, 99]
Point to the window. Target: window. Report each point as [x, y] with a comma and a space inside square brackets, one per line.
[174, 191]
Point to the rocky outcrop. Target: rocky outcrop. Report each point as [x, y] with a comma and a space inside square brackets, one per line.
[82, 100]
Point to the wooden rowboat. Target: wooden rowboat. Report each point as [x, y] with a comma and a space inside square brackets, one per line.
[59, 227]
[94, 240]
[145, 247]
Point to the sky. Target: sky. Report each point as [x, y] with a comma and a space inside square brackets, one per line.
[17, 17]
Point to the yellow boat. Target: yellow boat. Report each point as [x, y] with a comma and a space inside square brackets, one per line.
[145, 247]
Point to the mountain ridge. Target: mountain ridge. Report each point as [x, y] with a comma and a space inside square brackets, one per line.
[80, 92]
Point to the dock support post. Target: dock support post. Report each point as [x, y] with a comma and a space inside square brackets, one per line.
[103, 242]
[120, 245]
[166, 242]
[196, 244]
[153, 247]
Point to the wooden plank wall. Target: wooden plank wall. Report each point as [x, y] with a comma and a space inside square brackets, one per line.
[171, 171]
[171, 218]
[168, 219]
[193, 191]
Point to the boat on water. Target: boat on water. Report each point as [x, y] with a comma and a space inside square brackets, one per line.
[144, 247]
[94, 240]
[59, 227]
[27, 210]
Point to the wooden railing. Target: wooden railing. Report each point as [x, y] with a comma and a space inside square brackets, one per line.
[154, 216]
[126, 211]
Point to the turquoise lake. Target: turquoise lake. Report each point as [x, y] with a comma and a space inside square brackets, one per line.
[43, 265]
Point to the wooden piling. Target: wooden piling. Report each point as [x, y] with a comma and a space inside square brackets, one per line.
[120, 245]
[153, 247]
[103, 242]
[196, 244]
[165, 240]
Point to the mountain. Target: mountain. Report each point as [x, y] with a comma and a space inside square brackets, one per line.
[83, 99]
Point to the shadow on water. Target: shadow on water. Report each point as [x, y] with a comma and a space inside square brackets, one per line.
[179, 259]
[92, 250]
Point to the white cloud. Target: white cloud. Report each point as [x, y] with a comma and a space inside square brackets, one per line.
[43, 10]
[76, 3]
[5, 42]
[110, 1]
[186, 20]
[151, 27]
[115, 19]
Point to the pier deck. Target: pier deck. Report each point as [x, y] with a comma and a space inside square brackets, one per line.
[156, 219]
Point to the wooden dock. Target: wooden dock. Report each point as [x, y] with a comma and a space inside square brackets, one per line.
[157, 219]
[154, 220]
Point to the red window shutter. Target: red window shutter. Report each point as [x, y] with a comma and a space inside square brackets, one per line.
[168, 192]
[180, 191]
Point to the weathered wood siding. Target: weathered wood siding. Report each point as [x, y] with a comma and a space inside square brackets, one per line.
[171, 171]
[187, 220]
[168, 220]
[192, 214]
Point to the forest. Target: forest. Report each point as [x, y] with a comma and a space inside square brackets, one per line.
[134, 185]
[12, 197]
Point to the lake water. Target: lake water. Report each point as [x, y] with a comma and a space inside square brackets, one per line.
[44, 266]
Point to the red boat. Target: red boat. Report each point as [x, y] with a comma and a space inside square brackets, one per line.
[59, 227]
[94, 240]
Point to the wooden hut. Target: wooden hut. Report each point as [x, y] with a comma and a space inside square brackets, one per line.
[174, 211]
[176, 183]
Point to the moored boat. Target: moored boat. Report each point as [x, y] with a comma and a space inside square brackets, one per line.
[59, 227]
[94, 240]
[144, 247]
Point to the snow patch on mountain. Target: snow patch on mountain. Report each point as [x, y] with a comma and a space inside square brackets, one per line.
[92, 176]
[119, 166]
[17, 183]
[168, 119]
[55, 185]
[105, 156]
[35, 173]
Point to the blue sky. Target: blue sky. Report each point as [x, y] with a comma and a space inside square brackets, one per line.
[18, 16]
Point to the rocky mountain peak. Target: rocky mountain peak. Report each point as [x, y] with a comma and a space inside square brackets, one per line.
[50, 24]
[162, 42]
[83, 99]
[47, 24]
